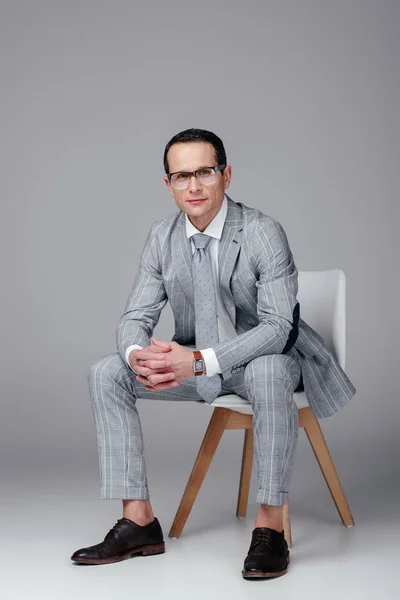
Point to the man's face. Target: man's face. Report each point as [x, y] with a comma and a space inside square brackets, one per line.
[190, 156]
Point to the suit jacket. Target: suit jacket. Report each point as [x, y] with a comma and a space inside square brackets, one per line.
[259, 284]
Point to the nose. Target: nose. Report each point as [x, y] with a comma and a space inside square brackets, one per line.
[194, 185]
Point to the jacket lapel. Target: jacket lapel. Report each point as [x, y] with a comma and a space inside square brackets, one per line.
[181, 253]
[229, 248]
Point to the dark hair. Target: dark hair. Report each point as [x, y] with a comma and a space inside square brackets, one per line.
[197, 135]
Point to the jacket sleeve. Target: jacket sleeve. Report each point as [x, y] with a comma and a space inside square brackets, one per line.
[146, 300]
[277, 307]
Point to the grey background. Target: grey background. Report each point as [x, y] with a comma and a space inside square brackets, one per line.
[305, 96]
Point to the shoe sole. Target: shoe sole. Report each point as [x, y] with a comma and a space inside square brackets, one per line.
[148, 550]
[263, 574]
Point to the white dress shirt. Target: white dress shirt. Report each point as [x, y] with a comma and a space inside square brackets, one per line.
[226, 330]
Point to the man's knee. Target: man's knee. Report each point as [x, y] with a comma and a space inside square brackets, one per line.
[268, 366]
[110, 367]
[270, 374]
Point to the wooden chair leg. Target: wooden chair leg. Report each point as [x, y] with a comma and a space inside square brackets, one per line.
[245, 473]
[205, 455]
[316, 438]
[286, 523]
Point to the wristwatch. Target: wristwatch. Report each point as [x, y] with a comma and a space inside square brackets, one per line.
[199, 367]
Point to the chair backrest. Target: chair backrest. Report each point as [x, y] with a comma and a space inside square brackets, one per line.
[322, 297]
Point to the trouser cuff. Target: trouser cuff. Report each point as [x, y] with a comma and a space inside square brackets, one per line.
[122, 493]
[271, 498]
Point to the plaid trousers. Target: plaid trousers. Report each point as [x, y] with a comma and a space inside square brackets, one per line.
[267, 382]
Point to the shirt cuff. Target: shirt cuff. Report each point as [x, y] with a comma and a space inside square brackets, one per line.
[211, 362]
[127, 353]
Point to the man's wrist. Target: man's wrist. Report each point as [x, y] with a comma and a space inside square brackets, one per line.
[199, 364]
[128, 352]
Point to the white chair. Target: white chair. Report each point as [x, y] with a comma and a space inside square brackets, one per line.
[322, 297]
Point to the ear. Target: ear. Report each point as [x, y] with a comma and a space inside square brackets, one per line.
[227, 176]
[169, 186]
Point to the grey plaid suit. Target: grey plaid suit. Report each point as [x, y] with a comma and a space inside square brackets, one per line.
[264, 363]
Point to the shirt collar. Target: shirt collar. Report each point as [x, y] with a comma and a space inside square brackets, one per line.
[213, 229]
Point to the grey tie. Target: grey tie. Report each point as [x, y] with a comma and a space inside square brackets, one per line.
[206, 324]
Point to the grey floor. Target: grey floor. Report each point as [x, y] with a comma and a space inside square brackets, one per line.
[50, 508]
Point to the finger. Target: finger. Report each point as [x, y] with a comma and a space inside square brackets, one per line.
[160, 378]
[157, 349]
[159, 386]
[163, 386]
[155, 364]
[144, 371]
[151, 371]
[158, 354]
[160, 343]
[152, 378]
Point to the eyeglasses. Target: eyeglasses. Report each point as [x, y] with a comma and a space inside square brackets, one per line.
[206, 176]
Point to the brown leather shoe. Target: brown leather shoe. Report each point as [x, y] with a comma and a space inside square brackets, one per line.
[268, 554]
[124, 540]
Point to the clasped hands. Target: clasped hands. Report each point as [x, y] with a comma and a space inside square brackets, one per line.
[162, 365]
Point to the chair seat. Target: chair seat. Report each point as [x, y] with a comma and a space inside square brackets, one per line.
[240, 404]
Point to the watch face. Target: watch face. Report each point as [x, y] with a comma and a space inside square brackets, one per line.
[198, 365]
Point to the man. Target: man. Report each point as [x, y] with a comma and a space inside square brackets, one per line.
[229, 275]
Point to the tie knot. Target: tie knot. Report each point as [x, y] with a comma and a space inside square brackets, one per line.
[201, 240]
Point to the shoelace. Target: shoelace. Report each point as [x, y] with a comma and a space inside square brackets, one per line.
[121, 523]
[262, 536]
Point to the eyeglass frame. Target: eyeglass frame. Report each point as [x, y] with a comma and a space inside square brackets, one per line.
[193, 174]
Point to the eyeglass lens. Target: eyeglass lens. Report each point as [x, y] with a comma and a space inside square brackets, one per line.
[203, 176]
